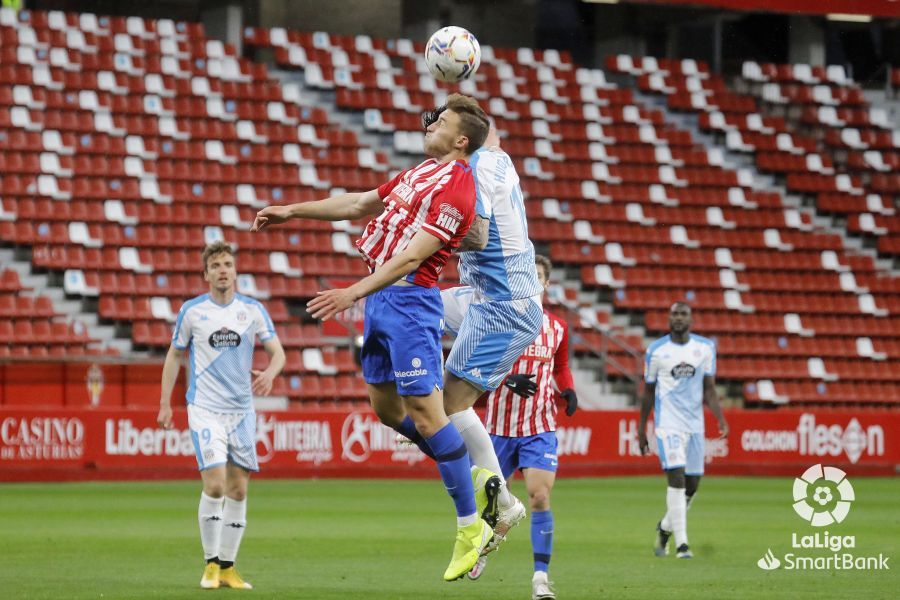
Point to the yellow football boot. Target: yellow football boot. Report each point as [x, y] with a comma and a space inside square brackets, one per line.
[487, 490]
[210, 579]
[231, 578]
[470, 541]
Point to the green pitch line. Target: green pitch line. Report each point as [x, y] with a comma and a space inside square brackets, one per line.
[378, 539]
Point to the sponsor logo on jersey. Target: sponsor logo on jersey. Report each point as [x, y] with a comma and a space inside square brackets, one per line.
[225, 338]
[544, 353]
[450, 217]
[403, 195]
[683, 371]
[411, 373]
[449, 223]
[451, 211]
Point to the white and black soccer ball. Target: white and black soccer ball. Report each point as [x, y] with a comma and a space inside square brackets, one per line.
[452, 54]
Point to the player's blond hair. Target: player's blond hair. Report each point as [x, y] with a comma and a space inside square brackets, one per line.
[473, 121]
[214, 249]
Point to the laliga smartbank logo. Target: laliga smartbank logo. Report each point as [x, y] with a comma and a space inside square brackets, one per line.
[822, 497]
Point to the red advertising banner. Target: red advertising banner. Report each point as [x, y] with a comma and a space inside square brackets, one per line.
[69, 443]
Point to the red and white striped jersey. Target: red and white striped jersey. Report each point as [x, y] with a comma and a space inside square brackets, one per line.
[511, 415]
[437, 197]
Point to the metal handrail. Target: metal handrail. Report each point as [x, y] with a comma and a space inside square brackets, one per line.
[631, 374]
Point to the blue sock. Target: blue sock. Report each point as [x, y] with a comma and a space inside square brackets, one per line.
[408, 428]
[542, 538]
[453, 463]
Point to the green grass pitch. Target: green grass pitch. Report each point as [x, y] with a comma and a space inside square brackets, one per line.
[369, 539]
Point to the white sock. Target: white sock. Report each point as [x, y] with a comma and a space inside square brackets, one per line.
[234, 521]
[467, 520]
[210, 517]
[665, 525]
[480, 448]
[677, 505]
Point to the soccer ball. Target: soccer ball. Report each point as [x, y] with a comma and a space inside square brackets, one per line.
[452, 54]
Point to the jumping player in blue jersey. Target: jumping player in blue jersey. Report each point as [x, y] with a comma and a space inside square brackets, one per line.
[220, 328]
[679, 377]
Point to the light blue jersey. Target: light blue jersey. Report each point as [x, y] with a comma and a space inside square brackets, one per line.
[678, 371]
[505, 269]
[221, 340]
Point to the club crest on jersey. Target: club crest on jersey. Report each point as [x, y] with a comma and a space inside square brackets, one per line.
[683, 371]
[450, 217]
[242, 316]
[224, 338]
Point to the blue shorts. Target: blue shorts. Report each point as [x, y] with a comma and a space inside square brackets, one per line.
[490, 334]
[402, 339]
[532, 452]
[679, 449]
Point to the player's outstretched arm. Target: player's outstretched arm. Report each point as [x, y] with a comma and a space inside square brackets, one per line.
[342, 207]
[262, 382]
[329, 303]
[711, 399]
[169, 376]
[646, 403]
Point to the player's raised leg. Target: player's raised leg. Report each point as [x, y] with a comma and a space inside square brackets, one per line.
[491, 337]
[387, 405]
[449, 450]
[459, 397]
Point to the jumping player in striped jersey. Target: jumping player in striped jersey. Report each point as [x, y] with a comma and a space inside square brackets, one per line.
[521, 418]
[420, 216]
[679, 377]
[495, 316]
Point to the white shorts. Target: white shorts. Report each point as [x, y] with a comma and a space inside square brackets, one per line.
[679, 449]
[223, 437]
[491, 335]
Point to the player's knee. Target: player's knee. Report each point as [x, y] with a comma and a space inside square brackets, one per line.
[426, 424]
[214, 489]
[691, 483]
[459, 394]
[540, 499]
[389, 415]
[676, 478]
[238, 494]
